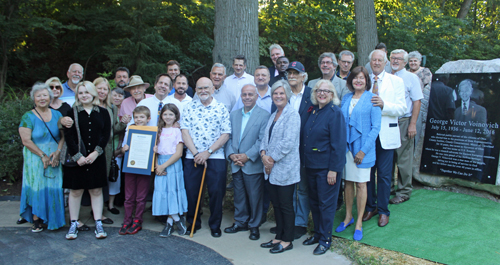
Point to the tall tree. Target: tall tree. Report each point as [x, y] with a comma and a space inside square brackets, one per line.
[366, 29]
[464, 9]
[236, 32]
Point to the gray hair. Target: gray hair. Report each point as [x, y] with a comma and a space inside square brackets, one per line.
[416, 55]
[73, 64]
[331, 87]
[466, 83]
[398, 51]
[218, 65]
[256, 90]
[346, 52]
[284, 84]
[371, 54]
[118, 90]
[276, 46]
[260, 67]
[39, 86]
[330, 55]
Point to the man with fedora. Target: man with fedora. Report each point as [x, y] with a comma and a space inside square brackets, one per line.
[136, 88]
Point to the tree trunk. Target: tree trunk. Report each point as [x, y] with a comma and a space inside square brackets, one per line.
[366, 29]
[236, 32]
[464, 9]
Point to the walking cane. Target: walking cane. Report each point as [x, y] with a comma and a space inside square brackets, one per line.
[193, 225]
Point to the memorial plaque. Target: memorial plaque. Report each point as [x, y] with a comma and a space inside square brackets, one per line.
[462, 123]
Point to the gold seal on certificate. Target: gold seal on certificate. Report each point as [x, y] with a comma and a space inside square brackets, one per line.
[139, 159]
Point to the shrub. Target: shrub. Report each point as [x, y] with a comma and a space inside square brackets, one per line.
[11, 146]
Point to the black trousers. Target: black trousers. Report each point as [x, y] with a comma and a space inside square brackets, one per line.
[282, 199]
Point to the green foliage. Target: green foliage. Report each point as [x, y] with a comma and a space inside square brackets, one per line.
[11, 157]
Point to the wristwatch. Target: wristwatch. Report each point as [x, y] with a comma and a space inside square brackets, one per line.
[210, 151]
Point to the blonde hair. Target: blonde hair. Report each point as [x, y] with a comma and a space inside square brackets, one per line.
[99, 81]
[55, 79]
[331, 87]
[91, 89]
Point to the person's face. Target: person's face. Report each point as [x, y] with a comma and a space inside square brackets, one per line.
[204, 89]
[102, 91]
[117, 98]
[181, 85]
[75, 74]
[121, 79]
[162, 87]
[137, 92]
[173, 71]
[414, 64]
[275, 54]
[323, 95]
[56, 89]
[397, 61]
[295, 78]
[345, 63]
[359, 82]
[464, 91]
[279, 97]
[141, 119]
[239, 67]
[377, 62]
[217, 76]
[84, 95]
[42, 98]
[261, 77]
[327, 66]
[168, 117]
[249, 96]
[282, 64]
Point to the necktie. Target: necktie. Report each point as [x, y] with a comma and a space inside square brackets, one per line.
[375, 86]
[464, 109]
[160, 106]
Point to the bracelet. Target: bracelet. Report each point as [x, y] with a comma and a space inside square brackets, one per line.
[43, 155]
[196, 154]
[59, 150]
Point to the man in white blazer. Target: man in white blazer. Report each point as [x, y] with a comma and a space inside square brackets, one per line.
[390, 97]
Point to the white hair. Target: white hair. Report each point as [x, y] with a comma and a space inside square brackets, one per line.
[399, 51]
[371, 54]
[218, 65]
[416, 55]
[276, 46]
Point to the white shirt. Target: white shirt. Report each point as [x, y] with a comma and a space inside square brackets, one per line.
[295, 100]
[413, 89]
[181, 104]
[235, 84]
[153, 103]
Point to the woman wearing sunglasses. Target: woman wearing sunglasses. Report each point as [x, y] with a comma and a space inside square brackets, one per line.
[55, 86]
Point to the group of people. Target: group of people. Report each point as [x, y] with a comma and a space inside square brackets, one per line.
[286, 143]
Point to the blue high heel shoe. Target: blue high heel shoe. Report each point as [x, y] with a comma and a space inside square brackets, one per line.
[342, 227]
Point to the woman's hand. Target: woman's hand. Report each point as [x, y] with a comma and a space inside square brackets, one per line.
[45, 161]
[160, 170]
[126, 119]
[92, 157]
[66, 122]
[268, 164]
[358, 158]
[82, 161]
[155, 149]
[54, 158]
[331, 177]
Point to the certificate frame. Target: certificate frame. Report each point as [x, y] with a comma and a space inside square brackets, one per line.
[137, 135]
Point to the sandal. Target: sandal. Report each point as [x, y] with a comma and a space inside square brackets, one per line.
[83, 227]
[37, 226]
[398, 200]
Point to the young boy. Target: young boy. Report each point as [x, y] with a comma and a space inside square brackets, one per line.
[136, 186]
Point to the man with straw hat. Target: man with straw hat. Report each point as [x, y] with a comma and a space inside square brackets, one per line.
[136, 88]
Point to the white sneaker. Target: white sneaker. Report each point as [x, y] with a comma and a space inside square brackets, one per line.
[99, 231]
[73, 231]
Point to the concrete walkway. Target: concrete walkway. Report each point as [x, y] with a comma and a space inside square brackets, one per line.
[236, 248]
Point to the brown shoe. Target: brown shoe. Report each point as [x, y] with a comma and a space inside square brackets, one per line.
[368, 215]
[383, 220]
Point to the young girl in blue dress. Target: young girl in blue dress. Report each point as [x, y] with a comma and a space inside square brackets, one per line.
[169, 197]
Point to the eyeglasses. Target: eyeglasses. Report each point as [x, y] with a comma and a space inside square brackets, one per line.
[55, 87]
[326, 62]
[345, 62]
[321, 91]
[396, 59]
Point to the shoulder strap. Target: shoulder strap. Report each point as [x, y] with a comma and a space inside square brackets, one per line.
[46, 125]
[75, 113]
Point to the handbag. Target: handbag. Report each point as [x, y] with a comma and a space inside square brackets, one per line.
[114, 170]
[67, 160]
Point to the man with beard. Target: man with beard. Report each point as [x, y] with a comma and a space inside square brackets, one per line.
[205, 129]
[122, 78]
[136, 88]
[75, 75]
[173, 70]
[281, 65]
[328, 63]
[181, 85]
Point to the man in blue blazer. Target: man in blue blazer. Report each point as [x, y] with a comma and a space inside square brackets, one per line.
[242, 151]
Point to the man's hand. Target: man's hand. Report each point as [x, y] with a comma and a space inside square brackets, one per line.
[202, 158]
[378, 102]
[412, 130]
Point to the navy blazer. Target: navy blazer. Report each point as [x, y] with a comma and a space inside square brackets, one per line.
[272, 70]
[324, 139]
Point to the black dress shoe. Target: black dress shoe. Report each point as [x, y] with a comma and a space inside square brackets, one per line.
[254, 233]
[320, 250]
[279, 248]
[269, 244]
[273, 230]
[113, 210]
[235, 229]
[196, 228]
[311, 241]
[300, 231]
[216, 232]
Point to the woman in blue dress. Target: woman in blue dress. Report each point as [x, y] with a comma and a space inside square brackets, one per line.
[42, 200]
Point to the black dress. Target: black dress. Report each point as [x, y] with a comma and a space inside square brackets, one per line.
[94, 130]
[64, 109]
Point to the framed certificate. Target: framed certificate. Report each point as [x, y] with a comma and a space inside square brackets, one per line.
[139, 159]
